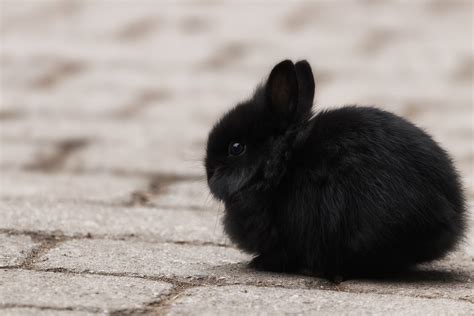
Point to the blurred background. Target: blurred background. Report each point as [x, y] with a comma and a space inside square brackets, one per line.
[131, 88]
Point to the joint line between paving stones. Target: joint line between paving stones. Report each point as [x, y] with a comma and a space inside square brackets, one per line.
[50, 241]
[63, 151]
[161, 305]
[124, 203]
[210, 281]
[45, 244]
[41, 236]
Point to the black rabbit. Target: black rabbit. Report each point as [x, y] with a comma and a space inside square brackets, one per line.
[354, 191]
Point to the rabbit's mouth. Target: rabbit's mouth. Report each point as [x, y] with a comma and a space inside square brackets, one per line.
[218, 183]
[217, 190]
[223, 185]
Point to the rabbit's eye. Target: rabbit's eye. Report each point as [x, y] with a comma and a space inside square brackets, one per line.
[236, 149]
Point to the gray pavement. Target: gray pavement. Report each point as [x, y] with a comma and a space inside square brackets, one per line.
[104, 112]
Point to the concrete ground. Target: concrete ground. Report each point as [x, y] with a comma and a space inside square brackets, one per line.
[105, 108]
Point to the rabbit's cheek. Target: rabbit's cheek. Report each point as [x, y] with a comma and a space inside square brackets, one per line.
[237, 180]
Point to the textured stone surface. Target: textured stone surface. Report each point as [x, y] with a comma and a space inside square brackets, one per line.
[153, 157]
[450, 278]
[141, 258]
[60, 290]
[21, 311]
[14, 249]
[69, 187]
[246, 300]
[189, 194]
[82, 218]
[104, 113]
[184, 262]
[16, 156]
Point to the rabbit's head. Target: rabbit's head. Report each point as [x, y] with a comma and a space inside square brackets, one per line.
[248, 146]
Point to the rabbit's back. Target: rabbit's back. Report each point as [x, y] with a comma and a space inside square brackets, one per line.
[372, 190]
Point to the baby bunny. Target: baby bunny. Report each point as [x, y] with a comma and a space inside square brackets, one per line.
[353, 191]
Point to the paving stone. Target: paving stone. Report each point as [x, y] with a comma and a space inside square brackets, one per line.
[192, 194]
[22, 311]
[186, 262]
[107, 188]
[16, 155]
[143, 222]
[14, 249]
[69, 187]
[142, 258]
[450, 279]
[43, 104]
[140, 158]
[147, 131]
[250, 300]
[141, 148]
[60, 290]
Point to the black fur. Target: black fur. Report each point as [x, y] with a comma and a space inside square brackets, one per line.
[354, 191]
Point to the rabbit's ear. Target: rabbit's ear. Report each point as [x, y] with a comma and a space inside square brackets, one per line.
[282, 91]
[305, 89]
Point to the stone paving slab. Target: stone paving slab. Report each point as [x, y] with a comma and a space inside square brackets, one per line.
[250, 300]
[140, 258]
[187, 194]
[125, 130]
[21, 311]
[448, 279]
[451, 278]
[85, 188]
[16, 156]
[14, 249]
[152, 190]
[139, 158]
[87, 292]
[83, 219]
[184, 262]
